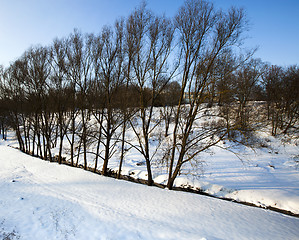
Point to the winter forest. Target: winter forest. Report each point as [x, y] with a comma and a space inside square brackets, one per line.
[164, 90]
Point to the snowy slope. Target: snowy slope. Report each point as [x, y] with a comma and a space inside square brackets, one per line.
[42, 200]
[265, 175]
[263, 178]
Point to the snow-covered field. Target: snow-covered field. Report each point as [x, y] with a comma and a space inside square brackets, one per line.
[266, 175]
[42, 200]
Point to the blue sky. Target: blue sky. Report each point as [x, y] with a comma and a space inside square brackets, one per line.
[274, 24]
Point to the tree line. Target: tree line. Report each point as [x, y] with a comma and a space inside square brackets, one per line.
[90, 89]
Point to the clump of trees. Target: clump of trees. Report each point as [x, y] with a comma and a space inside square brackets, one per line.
[176, 82]
[282, 98]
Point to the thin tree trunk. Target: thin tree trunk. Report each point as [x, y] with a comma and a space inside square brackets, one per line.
[122, 150]
[107, 152]
[84, 139]
[99, 143]
[73, 140]
[78, 155]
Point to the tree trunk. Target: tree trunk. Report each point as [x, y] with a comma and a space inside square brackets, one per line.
[122, 150]
[150, 181]
[84, 139]
[106, 159]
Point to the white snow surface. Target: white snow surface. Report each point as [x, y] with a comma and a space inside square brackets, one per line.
[43, 200]
[265, 175]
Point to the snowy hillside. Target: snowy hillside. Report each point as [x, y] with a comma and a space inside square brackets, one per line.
[42, 200]
[265, 175]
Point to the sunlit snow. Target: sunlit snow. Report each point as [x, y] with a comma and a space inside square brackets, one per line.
[42, 200]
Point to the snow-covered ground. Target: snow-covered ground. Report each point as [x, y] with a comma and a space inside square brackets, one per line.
[42, 200]
[266, 175]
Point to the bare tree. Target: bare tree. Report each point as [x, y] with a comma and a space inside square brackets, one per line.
[79, 64]
[60, 93]
[13, 89]
[291, 96]
[152, 38]
[204, 36]
[37, 85]
[281, 87]
[4, 105]
[245, 81]
[109, 64]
